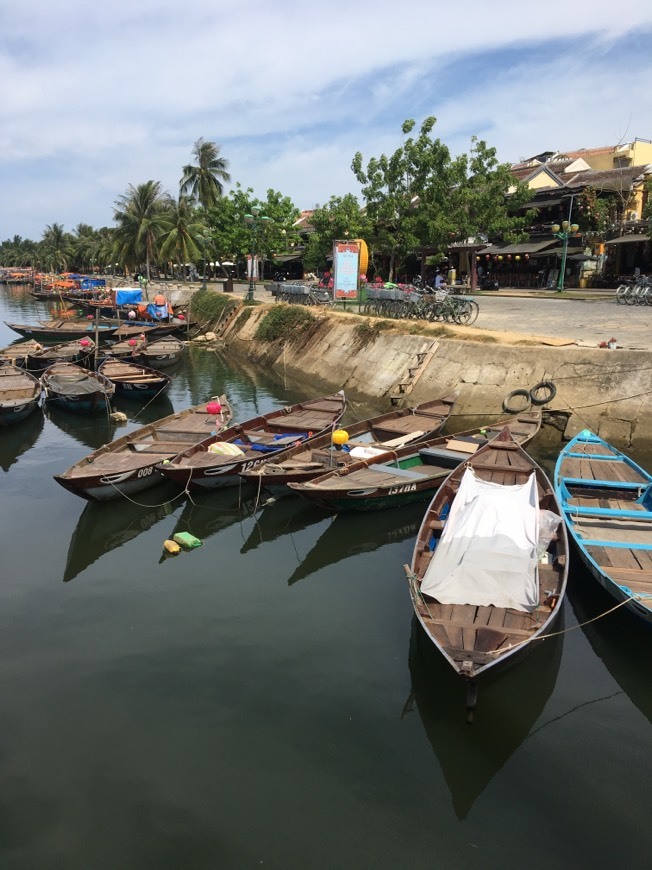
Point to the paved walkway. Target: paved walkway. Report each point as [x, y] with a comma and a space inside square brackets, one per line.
[586, 322]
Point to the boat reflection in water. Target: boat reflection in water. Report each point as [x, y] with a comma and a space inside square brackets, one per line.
[17, 439]
[283, 517]
[349, 535]
[509, 705]
[619, 639]
[91, 432]
[207, 513]
[102, 528]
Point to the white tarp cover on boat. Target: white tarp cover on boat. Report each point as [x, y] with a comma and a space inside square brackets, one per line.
[487, 553]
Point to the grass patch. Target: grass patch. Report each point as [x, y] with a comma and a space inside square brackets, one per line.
[286, 323]
[208, 306]
[243, 317]
[366, 333]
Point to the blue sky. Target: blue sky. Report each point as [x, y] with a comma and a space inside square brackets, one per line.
[94, 97]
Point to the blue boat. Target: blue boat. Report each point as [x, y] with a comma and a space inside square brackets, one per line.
[607, 503]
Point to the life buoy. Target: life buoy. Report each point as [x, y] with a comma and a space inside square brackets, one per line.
[508, 404]
[549, 393]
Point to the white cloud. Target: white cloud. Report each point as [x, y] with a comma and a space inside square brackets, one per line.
[93, 98]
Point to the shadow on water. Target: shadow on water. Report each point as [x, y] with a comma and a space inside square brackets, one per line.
[207, 513]
[350, 534]
[102, 528]
[509, 705]
[18, 438]
[91, 431]
[283, 517]
[620, 640]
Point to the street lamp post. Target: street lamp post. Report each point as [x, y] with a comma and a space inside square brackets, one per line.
[563, 232]
[255, 220]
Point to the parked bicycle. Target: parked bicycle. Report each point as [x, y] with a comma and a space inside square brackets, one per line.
[638, 293]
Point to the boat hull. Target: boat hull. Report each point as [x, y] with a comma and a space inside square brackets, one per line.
[607, 504]
[107, 487]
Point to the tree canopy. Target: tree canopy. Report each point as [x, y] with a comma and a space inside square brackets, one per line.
[422, 198]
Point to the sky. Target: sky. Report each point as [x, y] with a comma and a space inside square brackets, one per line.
[97, 96]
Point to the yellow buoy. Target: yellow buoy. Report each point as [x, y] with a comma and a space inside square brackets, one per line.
[172, 547]
[340, 437]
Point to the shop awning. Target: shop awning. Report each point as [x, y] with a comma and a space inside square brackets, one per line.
[632, 237]
[520, 248]
[286, 258]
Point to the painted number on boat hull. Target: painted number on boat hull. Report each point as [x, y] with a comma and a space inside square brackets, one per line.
[406, 487]
[145, 472]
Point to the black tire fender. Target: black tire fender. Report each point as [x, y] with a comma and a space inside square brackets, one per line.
[517, 408]
[550, 391]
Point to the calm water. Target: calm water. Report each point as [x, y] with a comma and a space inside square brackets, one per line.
[265, 700]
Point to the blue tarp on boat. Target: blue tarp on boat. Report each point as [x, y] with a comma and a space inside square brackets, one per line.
[128, 297]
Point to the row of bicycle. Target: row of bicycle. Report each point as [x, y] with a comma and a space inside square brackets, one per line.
[433, 306]
[638, 293]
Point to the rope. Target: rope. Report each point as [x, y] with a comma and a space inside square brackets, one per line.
[412, 578]
[566, 630]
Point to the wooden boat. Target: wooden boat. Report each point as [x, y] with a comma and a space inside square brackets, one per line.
[134, 381]
[17, 354]
[163, 353]
[471, 758]
[19, 394]
[79, 351]
[129, 464]
[128, 348]
[396, 428]
[217, 461]
[490, 563]
[409, 473]
[62, 330]
[607, 503]
[76, 389]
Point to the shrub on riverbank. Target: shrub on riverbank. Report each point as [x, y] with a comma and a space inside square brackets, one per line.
[208, 306]
[286, 323]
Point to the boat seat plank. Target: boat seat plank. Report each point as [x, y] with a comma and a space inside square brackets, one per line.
[482, 615]
[488, 639]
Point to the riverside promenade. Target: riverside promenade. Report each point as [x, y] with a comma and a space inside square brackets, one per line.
[586, 321]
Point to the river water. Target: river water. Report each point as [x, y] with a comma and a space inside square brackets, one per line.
[266, 699]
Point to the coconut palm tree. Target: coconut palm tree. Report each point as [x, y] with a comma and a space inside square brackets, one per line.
[184, 239]
[202, 182]
[57, 247]
[141, 216]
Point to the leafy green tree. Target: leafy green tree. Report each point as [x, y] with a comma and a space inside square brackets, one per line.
[203, 180]
[141, 215]
[422, 197]
[340, 218]
[231, 236]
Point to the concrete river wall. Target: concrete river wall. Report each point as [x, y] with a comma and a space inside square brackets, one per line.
[609, 391]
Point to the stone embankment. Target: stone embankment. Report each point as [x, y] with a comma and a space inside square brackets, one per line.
[609, 391]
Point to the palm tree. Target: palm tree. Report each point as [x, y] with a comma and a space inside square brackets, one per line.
[184, 240]
[57, 247]
[140, 214]
[203, 181]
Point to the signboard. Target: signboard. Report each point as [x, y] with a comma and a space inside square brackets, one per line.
[346, 259]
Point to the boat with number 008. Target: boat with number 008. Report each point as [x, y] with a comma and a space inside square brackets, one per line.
[490, 564]
[607, 503]
[129, 464]
[218, 461]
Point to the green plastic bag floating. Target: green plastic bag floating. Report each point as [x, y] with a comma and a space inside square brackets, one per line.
[186, 540]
